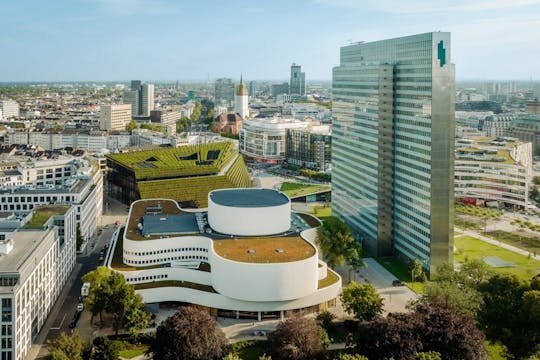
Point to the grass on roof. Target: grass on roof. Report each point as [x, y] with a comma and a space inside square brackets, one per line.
[331, 278]
[294, 190]
[42, 214]
[468, 247]
[174, 283]
[294, 249]
[173, 162]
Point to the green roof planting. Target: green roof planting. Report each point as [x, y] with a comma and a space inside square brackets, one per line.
[203, 159]
[42, 214]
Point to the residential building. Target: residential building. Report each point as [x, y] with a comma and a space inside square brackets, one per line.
[392, 146]
[241, 100]
[533, 107]
[526, 128]
[224, 92]
[264, 138]
[114, 117]
[36, 263]
[297, 83]
[245, 256]
[309, 148]
[9, 109]
[496, 125]
[493, 169]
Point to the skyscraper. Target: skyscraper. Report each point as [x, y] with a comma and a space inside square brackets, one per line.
[141, 98]
[241, 100]
[393, 141]
[224, 92]
[297, 84]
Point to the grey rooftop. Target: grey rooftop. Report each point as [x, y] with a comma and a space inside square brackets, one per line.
[248, 197]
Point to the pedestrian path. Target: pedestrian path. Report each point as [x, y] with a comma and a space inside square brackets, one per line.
[498, 243]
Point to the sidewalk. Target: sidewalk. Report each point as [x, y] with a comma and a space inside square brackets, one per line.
[34, 351]
[498, 243]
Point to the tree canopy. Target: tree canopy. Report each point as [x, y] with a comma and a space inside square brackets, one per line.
[66, 347]
[190, 334]
[338, 244]
[362, 300]
[297, 338]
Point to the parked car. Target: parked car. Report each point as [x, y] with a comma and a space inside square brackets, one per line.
[397, 283]
[259, 333]
[80, 307]
[101, 258]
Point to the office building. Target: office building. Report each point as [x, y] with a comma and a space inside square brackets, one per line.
[297, 83]
[263, 139]
[35, 265]
[8, 109]
[497, 170]
[496, 125]
[224, 92]
[393, 144]
[140, 97]
[533, 107]
[278, 89]
[114, 117]
[526, 128]
[247, 255]
[167, 119]
[309, 148]
[241, 100]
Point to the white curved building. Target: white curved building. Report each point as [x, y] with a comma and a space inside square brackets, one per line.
[493, 169]
[247, 255]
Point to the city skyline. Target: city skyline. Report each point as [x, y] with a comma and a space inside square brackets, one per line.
[105, 40]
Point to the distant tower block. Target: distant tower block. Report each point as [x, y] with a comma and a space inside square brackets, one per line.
[241, 100]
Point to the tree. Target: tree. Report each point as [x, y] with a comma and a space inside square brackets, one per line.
[132, 125]
[79, 237]
[231, 356]
[475, 272]
[463, 299]
[416, 269]
[430, 355]
[362, 300]
[338, 245]
[350, 357]
[190, 334]
[109, 292]
[265, 357]
[196, 113]
[430, 327]
[183, 124]
[105, 349]
[297, 338]
[325, 319]
[66, 347]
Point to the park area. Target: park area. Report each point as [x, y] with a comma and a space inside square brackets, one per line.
[501, 260]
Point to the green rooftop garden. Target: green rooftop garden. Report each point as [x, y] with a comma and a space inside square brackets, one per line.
[331, 278]
[42, 214]
[174, 283]
[175, 162]
[295, 190]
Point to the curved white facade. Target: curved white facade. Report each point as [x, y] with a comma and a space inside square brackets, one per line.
[228, 284]
[249, 221]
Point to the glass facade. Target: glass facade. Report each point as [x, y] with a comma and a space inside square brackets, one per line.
[307, 149]
[392, 160]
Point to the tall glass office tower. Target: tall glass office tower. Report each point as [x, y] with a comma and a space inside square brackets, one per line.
[393, 141]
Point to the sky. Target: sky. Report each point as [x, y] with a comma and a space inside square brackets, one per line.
[108, 40]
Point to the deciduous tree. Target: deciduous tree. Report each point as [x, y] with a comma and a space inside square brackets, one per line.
[190, 334]
[66, 347]
[297, 338]
[362, 300]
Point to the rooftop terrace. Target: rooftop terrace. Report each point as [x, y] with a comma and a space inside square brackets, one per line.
[42, 214]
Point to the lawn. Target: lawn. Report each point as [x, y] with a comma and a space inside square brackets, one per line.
[321, 211]
[468, 247]
[516, 239]
[330, 279]
[401, 271]
[135, 351]
[249, 349]
[294, 190]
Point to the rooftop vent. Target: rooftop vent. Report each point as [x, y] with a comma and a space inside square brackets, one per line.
[280, 251]
[251, 251]
[6, 246]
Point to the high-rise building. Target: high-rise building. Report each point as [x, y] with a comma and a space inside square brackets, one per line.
[297, 84]
[241, 100]
[147, 99]
[224, 92]
[393, 143]
[8, 109]
[533, 107]
[140, 97]
[114, 117]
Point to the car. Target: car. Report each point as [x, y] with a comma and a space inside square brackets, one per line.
[259, 333]
[80, 307]
[397, 282]
[101, 258]
[72, 324]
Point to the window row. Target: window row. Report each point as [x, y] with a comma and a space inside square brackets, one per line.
[154, 261]
[156, 252]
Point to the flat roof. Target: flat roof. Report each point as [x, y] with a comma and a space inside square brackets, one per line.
[248, 197]
[162, 224]
[24, 243]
